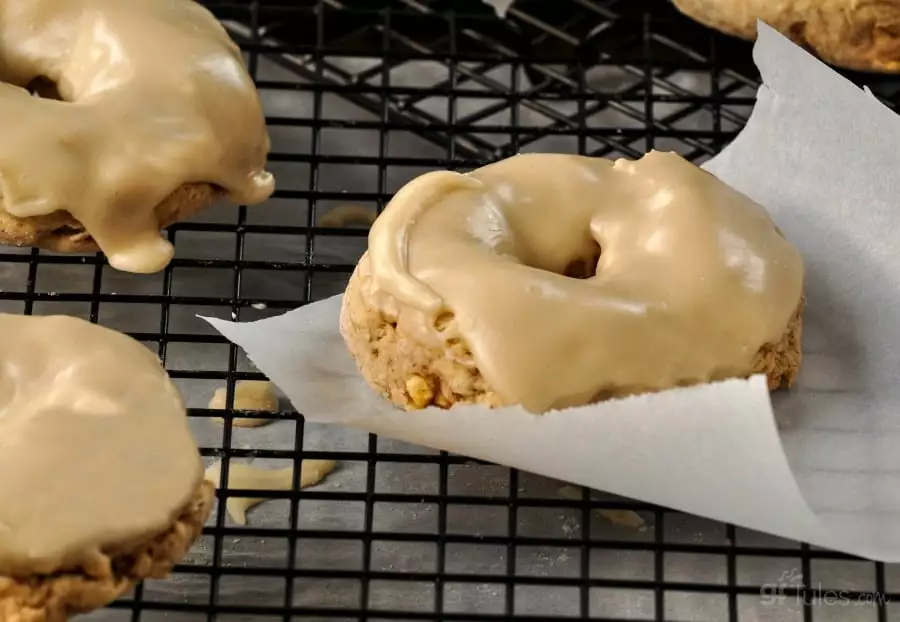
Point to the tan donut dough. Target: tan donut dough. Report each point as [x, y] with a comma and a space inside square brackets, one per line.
[474, 288]
[146, 115]
[408, 372]
[856, 34]
[57, 597]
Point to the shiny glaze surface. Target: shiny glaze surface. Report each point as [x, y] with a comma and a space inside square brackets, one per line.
[692, 276]
[155, 96]
[95, 448]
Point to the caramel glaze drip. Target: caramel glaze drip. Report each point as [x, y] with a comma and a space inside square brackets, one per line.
[155, 96]
[573, 278]
[95, 448]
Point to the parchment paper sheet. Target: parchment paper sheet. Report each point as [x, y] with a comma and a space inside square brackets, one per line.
[822, 156]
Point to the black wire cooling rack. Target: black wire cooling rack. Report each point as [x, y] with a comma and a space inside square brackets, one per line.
[361, 97]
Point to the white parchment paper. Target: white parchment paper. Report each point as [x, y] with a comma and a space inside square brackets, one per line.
[822, 465]
[500, 6]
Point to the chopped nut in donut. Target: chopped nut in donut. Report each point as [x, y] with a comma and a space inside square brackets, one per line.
[247, 477]
[420, 391]
[249, 395]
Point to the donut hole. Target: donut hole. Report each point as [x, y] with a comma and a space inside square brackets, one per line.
[584, 267]
[44, 87]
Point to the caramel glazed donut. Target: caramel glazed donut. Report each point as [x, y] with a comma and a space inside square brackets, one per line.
[101, 482]
[552, 281]
[158, 119]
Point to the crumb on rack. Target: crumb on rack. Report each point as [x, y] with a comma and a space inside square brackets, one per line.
[348, 214]
[250, 395]
[247, 477]
[620, 518]
[624, 518]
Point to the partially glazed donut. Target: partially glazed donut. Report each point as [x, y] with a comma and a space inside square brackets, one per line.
[554, 280]
[158, 118]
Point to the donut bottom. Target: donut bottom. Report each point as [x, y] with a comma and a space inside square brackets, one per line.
[62, 233]
[57, 597]
[414, 375]
[855, 35]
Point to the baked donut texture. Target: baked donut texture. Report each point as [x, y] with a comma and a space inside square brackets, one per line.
[861, 35]
[101, 482]
[148, 116]
[56, 597]
[553, 280]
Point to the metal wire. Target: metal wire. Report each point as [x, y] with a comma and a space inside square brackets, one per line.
[542, 62]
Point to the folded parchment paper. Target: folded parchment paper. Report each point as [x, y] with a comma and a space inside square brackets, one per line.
[824, 467]
[500, 6]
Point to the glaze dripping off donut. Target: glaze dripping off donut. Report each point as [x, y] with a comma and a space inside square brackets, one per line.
[151, 116]
[561, 280]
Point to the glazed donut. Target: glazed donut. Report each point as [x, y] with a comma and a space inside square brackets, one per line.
[157, 119]
[101, 482]
[551, 281]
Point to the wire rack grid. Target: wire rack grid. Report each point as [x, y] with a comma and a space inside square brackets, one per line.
[360, 98]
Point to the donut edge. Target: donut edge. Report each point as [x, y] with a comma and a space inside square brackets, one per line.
[781, 361]
[414, 376]
[62, 233]
[861, 38]
[408, 373]
[55, 598]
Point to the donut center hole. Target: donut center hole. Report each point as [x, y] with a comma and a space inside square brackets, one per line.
[45, 88]
[584, 267]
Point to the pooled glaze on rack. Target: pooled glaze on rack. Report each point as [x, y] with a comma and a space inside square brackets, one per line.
[95, 448]
[155, 95]
[691, 278]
